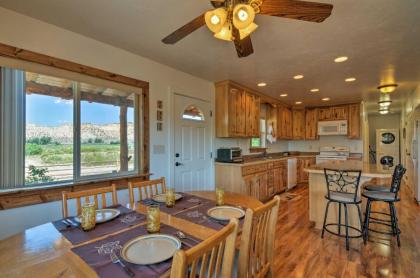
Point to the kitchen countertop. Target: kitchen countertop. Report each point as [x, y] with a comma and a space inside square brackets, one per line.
[368, 170]
[265, 160]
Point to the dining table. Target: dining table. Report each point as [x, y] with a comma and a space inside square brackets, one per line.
[43, 251]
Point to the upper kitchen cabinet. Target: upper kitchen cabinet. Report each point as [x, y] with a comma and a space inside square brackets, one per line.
[339, 112]
[271, 120]
[354, 121]
[298, 124]
[284, 123]
[311, 124]
[325, 114]
[252, 115]
[237, 111]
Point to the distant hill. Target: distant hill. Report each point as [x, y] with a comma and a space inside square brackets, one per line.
[64, 133]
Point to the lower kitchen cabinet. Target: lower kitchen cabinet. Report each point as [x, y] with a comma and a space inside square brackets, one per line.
[302, 163]
[261, 180]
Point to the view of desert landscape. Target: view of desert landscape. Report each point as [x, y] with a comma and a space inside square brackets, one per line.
[49, 151]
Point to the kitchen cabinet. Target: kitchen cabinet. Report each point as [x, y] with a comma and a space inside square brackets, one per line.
[262, 180]
[298, 124]
[284, 123]
[311, 124]
[302, 163]
[237, 112]
[354, 121]
[339, 112]
[325, 114]
[271, 119]
[252, 115]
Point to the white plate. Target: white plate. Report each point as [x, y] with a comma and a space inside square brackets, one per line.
[161, 198]
[150, 249]
[225, 212]
[103, 215]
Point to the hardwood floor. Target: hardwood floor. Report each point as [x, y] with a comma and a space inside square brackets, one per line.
[300, 251]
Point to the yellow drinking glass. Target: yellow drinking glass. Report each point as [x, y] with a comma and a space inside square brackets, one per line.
[88, 216]
[170, 197]
[220, 197]
[153, 219]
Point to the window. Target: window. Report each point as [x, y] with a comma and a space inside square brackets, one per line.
[72, 131]
[193, 113]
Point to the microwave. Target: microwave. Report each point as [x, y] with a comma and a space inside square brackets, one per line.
[332, 127]
[231, 155]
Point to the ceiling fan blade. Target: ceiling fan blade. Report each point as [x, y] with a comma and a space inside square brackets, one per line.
[294, 9]
[217, 3]
[243, 47]
[185, 30]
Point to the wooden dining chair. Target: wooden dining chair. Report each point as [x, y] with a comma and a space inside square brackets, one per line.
[146, 189]
[85, 197]
[257, 240]
[214, 257]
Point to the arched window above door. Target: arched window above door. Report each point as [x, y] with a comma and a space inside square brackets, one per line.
[193, 113]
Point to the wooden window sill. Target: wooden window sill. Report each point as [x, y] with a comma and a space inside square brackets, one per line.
[26, 196]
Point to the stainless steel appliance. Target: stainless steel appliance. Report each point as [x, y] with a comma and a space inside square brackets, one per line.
[329, 153]
[231, 155]
[332, 127]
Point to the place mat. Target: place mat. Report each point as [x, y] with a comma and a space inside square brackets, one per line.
[76, 235]
[198, 215]
[185, 203]
[97, 254]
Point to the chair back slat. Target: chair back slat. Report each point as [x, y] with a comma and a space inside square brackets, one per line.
[146, 189]
[213, 257]
[397, 176]
[85, 195]
[257, 240]
[342, 181]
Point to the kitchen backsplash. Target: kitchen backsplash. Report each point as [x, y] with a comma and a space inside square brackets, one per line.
[356, 146]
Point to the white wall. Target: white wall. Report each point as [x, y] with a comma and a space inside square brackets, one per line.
[31, 34]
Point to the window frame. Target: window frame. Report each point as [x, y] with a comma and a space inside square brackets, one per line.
[15, 58]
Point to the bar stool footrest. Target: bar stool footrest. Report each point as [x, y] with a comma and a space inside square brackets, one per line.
[343, 227]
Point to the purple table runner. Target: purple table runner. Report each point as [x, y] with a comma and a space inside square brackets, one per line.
[185, 203]
[97, 254]
[76, 235]
[193, 209]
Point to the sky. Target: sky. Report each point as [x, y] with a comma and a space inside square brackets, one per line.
[53, 111]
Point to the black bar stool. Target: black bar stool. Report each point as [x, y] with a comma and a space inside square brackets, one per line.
[380, 193]
[342, 188]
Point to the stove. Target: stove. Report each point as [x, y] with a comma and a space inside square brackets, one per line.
[328, 153]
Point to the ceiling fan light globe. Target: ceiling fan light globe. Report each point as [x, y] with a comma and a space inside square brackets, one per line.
[215, 19]
[243, 16]
[243, 33]
[225, 33]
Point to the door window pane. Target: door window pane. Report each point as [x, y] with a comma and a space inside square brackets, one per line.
[107, 130]
[49, 129]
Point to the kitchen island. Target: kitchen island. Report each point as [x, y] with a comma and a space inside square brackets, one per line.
[318, 189]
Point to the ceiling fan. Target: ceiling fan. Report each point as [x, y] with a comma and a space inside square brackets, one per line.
[233, 20]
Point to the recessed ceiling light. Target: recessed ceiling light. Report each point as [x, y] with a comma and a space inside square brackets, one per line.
[314, 90]
[341, 59]
[283, 95]
[262, 84]
[326, 99]
[299, 76]
[350, 79]
[298, 102]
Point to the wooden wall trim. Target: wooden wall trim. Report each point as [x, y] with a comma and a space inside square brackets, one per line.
[29, 56]
[22, 197]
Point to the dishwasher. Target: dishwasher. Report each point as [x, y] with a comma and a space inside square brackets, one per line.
[291, 173]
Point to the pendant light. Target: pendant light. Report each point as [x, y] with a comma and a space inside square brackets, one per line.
[388, 88]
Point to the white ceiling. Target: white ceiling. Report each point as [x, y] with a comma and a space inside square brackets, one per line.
[380, 37]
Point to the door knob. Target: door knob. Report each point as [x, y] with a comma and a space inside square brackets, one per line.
[178, 164]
